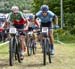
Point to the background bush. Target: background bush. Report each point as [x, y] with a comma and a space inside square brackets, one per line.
[64, 36]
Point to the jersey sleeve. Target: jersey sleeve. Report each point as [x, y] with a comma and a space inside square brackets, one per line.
[38, 14]
[22, 15]
[51, 13]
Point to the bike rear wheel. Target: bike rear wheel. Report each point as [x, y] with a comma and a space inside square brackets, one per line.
[34, 48]
[28, 50]
[48, 48]
[29, 47]
[18, 52]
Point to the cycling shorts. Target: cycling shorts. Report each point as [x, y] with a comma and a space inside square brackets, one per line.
[19, 27]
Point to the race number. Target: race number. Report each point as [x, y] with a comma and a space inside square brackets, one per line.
[45, 29]
[30, 33]
[12, 30]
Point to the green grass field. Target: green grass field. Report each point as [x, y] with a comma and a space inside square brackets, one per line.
[64, 58]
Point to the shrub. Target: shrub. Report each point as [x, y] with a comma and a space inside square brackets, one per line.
[64, 36]
[72, 31]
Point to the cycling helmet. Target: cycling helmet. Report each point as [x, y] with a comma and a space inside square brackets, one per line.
[44, 8]
[31, 16]
[15, 9]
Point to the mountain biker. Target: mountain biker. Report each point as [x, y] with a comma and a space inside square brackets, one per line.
[33, 24]
[17, 20]
[2, 21]
[47, 17]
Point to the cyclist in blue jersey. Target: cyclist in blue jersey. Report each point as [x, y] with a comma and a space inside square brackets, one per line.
[48, 19]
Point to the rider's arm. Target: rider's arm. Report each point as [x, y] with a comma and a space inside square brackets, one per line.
[27, 24]
[9, 19]
[38, 14]
[54, 17]
[37, 22]
[5, 25]
[7, 22]
[55, 20]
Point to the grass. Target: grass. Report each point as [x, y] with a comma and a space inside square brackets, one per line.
[64, 58]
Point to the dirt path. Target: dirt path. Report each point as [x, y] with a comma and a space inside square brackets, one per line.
[63, 59]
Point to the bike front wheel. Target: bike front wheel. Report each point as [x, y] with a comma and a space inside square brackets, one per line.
[12, 46]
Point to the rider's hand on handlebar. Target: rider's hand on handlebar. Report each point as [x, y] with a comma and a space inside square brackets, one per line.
[25, 29]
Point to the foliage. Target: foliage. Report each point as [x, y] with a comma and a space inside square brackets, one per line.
[23, 4]
[69, 20]
[36, 5]
[69, 6]
[64, 36]
[72, 31]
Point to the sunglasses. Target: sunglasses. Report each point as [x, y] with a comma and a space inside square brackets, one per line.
[44, 12]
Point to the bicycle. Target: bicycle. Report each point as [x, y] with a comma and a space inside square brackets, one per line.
[31, 44]
[45, 44]
[14, 46]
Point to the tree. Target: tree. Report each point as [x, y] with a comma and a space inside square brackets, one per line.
[23, 4]
[36, 5]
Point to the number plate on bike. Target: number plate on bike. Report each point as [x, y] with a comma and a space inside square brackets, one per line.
[30, 32]
[44, 29]
[12, 30]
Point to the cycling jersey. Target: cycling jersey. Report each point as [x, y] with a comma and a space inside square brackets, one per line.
[45, 19]
[35, 22]
[33, 25]
[17, 18]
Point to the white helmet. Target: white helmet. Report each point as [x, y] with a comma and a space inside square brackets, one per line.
[15, 9]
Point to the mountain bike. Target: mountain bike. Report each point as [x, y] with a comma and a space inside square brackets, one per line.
[45, 44]
[14, 46]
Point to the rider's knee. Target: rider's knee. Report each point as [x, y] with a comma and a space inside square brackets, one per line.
[22, 37]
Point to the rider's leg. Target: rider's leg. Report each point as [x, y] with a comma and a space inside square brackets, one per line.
[23, 44]
[52, 42]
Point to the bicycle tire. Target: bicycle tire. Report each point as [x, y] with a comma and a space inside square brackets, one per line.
[28, 52]
[30, 47]
[49, 56]
[34, 48]
[11, 52]
[18, 50]
[44, 52]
